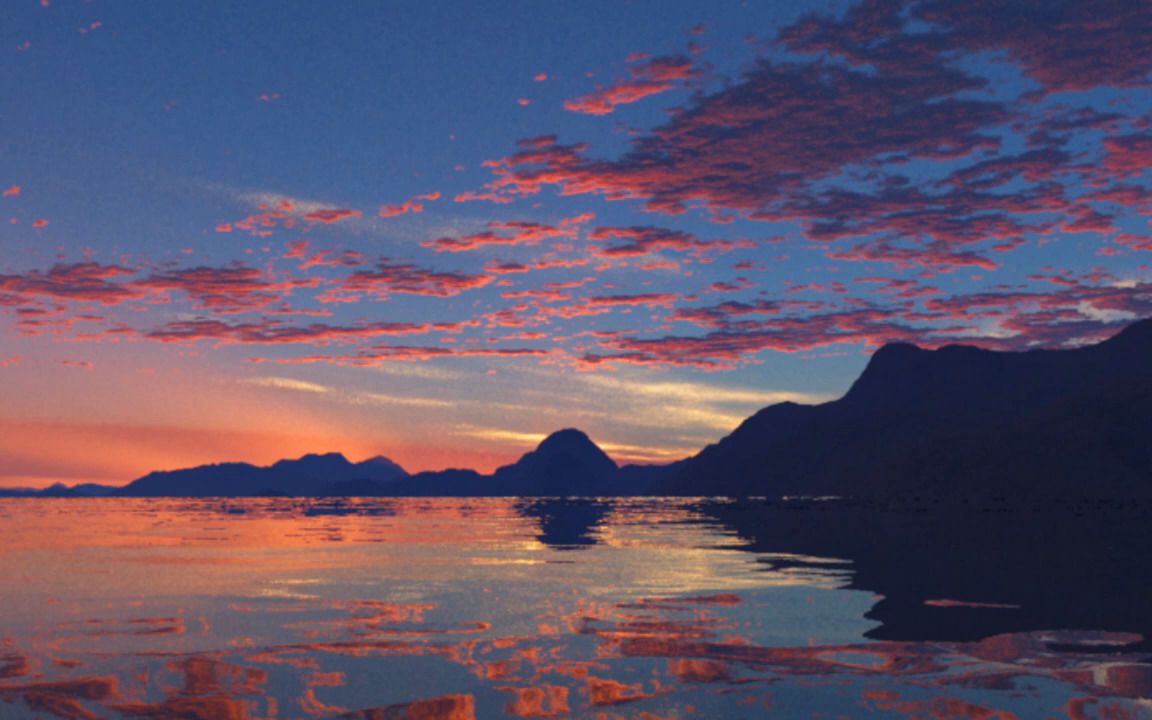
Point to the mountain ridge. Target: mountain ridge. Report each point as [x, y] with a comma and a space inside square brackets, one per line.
[952, 420]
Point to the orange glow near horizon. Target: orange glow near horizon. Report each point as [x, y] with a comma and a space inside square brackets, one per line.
[117, 454]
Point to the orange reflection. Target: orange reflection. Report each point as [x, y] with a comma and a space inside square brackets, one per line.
[62, 698]
[603, 691]
[545, 701]
[942, 709]
[699, 671]
[446, 707]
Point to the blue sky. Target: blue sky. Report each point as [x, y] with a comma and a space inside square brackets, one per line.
[440, 232]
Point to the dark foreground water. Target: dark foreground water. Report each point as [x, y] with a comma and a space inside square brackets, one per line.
[463, 608]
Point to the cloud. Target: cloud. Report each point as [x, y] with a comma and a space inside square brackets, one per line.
[231, 289]
[389, 276]
[1129, 155]
[500, 434]
[883, 134]
[783, 125]
[86, 282]
[665, 299]
[510, 232]
[1078, 311]
[354, 397]
[331, 215]
[505, 268]
[721, 315]
[269, 332]
[277, 211]
[648, 78]
[299, 249]
[380, 354]
[733, 343]
[284, 383]
[697, 392]
[414, 205]
[1063, 46]
[645, 240]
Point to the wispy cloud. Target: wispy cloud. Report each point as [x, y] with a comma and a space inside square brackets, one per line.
[354, 397]
[284, 383]
[694, 392]
[499, 434]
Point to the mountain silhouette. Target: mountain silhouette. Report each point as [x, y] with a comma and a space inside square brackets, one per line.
[565, 464]
[310, 475]
[953, 421]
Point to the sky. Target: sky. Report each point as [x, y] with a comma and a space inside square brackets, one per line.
[440, 231]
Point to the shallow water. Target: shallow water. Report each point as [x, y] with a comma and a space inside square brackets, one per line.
[488, 608]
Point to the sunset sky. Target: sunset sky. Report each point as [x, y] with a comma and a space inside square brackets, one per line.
[440, 231]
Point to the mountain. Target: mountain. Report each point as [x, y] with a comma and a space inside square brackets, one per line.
[81, 490]
[954, 421]
[310, 475]
[565, 464]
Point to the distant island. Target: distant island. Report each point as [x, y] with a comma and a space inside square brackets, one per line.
[953, 422]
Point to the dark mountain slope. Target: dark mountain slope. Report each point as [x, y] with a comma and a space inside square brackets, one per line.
[958, 420]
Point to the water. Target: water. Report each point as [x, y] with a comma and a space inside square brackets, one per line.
[479, 608]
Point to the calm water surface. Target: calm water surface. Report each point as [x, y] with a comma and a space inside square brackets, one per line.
[465, 608]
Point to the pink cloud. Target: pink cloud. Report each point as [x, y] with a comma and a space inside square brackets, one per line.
[506, 268]
[665, 299]
[414, 205]
[298, 249]
[88, 281]
[331, 215]
[510, 232]
[648, 78]
[232, 289]
[647, 239]
[1129, 155]
[390, 277]
[270, 332]
[380, 354]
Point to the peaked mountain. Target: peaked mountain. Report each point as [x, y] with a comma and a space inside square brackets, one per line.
[565, 464]
[309, 475]
[954, 421]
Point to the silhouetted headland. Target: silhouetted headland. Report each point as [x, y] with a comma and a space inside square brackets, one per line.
[957, 421]
[312, 475]
[948, 423]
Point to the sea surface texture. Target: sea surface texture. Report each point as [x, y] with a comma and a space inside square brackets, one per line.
[647, 609]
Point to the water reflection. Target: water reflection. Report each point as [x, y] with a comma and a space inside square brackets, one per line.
[566, 523]
[970, 572]
[440, 609]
